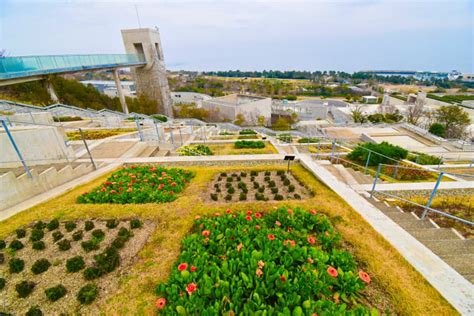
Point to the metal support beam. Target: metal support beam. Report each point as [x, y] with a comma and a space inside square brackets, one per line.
[118, 85]
[52, 93]
[433, 193]
[12, 141]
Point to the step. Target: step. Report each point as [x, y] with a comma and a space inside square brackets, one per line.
[434, 234]
[415, 224]
[451, 247]
[462, 263]
[401, 217]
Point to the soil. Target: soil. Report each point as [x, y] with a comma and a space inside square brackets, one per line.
[57, 273]
[301, 190]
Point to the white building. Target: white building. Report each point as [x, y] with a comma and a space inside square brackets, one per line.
[108, 87]
[369, 99]
[189, 97]
[230, 106]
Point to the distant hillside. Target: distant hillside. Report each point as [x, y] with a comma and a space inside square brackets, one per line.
[72, 92]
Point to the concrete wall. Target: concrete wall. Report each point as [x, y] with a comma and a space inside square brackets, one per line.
[251, 111]
[151, 80]
[32, 118]
[38, 145]
[15, 190]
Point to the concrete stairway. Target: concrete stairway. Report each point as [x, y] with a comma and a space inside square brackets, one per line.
[360, 177]
[447, 243]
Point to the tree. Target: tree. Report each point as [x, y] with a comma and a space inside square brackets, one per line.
[281, 124]
[437, 129]
[357, 115]
[415, 113]
[454, 119]
[261, 120]
[239, 119]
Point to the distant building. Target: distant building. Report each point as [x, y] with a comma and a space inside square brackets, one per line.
[189, 97]
[370, 99]
[230, 106]
[467, 77]
[306, 109]
[108, 87]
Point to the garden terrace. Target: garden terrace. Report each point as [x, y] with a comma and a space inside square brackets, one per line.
[396, 287]
[219, 149]
[256, 186]
[60, 258]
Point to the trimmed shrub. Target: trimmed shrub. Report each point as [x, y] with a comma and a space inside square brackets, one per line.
[243, 174]
[274, 190]
[278, 197]
[75, 264]
[306, 140]
[92, 273]
[40, 266]
[36, 234]
[98, 234]
[214, 196]
[425, 159]
[39, 225]
[135, 223]
[267, 173]
[55, 293]
[2, 258]
[228, 197]
[234, 175]
[216, 185]
[271, 184]
[266, 178]
[240, 144]
[87, 294]
[16, 245]
[286, 182]
[77, 235]
[256, 185]
[223, 174]
[228, 185]
[57, 235]
[229, 179]
[231, 190]
[247, 132]
[34, 311]
[242, 196]
[261, 189]
[64, 245]
[3, 244]
[253, 173]
[438, 129]
[280, 172]
[70, 226]
[291, 188]
[89, 225]
[260, 197]
[24, 288]
[90, 245]
[108, 261]
[297, 196]
[361, 153]
[252, 178]
[3, 282]
[111, 223]
[38, 245]
[54, 224]
[20, 233]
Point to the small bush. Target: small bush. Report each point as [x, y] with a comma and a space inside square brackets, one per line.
[256, 185]
[266, 178]
[39, 225]
[90, 245]
[92, 273]
[3, 244]
[223, 174]
[3, 282]
[16, 245]
[271, 184]
[89, 225]
[361, 153]
[57, 235]
[218, 190]
[75, 264]
[40, 266]
[55, 293]
[135, 223]
[228, 185]
[286, 182]
[108, 261]
[242, 196]
[77, 235]
[274, 190]
[229, 179]
[252, 178]
[243, 174]
[261, 189]
[38, 245]
[24, 288]
[214, 196]
[125, 233]
[98, 234]
[247, 132]
[240, 144]
[234, 175]
[111, 223]
[87, 294]
[267, 173]
[228, 197]
[20, 233]
[2, 258]
[297, 196]
[253, 173]
[216, 185]
[219, 179]
[34, 311]
[64, 245]
[231, 190]
[291, 188]
[278, 197]
[260, 197]
[70, 226]
[54, 224]
[280, 172]
[36, 234]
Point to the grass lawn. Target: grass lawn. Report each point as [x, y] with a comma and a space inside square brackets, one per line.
[229, 149]
[391, 274]
[99, 133]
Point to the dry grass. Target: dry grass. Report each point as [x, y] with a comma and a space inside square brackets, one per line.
[409, 292]
[229, 149]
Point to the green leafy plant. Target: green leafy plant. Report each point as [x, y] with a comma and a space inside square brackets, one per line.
[77, 235]
[249, 144]
[3, 244]
[195, 150]
[90, 245]
[64, 245]
[24, 288]
[55, 293]
[98, 234]
[111, 223]
[214, 196]
[57, 235]
[34, 311]
[247, 132]
[36, 234]
[75, 264]
[16, 245]
[143, 184]
[54, 224]
[87, 294]
[89, 225]
[135, 223]
[20, 233]
[388, 153]
[70, 226]
[38, 245]
[40, 266]
[92, 273]
[3, 282]
[39, 225]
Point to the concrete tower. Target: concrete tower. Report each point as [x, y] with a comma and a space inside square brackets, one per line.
[150, 79]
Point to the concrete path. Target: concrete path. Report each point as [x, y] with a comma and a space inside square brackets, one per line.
[416, 186]
[452, 286]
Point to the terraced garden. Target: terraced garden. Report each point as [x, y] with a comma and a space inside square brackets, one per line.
[350, 246]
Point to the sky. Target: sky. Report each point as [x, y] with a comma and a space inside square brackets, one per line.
[344, 35]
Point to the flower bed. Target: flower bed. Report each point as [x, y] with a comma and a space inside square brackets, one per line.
[256, 186]
[195, 150]
[139, 184]
[280, 262]
[75, 264]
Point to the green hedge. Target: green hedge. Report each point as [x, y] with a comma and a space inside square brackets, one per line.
[247, 132]
[249, 144]
[424, 159]
[360, 153]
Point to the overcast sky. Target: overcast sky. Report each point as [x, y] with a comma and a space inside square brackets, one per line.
[255, 35]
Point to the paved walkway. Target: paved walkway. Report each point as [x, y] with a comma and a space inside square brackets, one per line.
[452, 286]
[415, 186]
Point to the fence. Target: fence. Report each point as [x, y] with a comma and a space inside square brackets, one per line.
[427, 207]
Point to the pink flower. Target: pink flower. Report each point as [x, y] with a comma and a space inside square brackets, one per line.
[249, 212]
[259, 272]
[191, 288]
[129, 190]
[248, 217]
[364, 276]
[261, 264]
[310, 260]
[197, 217]
[290, 211]
[182, 266]
[160, 303]
[313, 212]
[258, 215]
[217, 214]
[173, 184]
[257, 227]
[311, 240]
[277, 223]
[332, 272]
[206, 233]
[228, 211]
[271, 236]
[193, 268]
